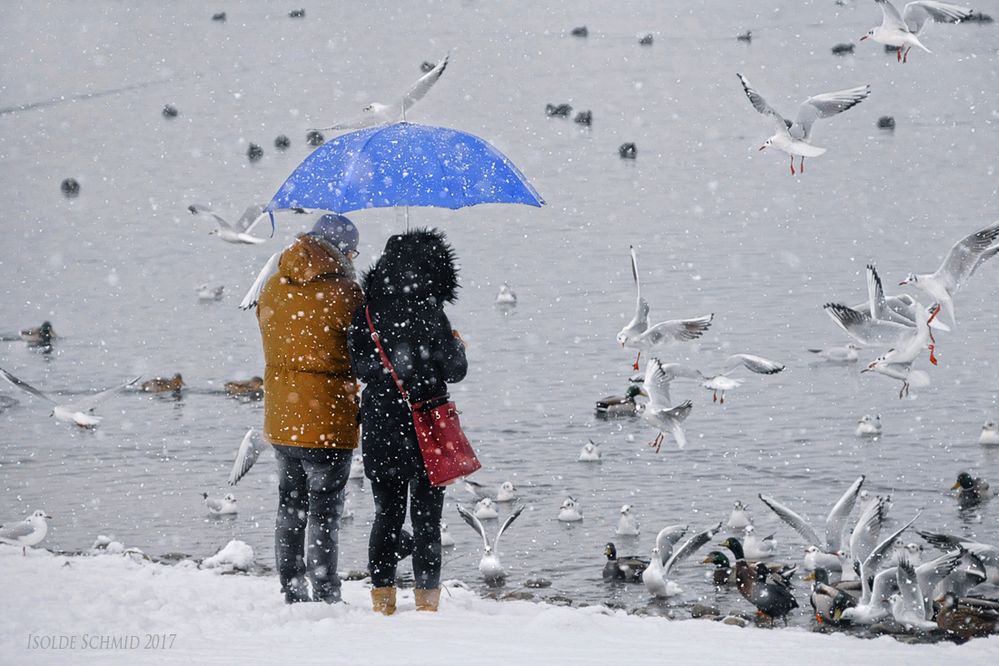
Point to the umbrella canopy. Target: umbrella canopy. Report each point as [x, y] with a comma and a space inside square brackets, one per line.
[404, 165]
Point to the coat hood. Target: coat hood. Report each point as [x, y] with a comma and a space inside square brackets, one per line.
[311, 257]
[418, 264]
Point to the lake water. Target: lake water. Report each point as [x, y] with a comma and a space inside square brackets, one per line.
[719, 228]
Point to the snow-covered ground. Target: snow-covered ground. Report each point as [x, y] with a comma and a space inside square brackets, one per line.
[205, 617]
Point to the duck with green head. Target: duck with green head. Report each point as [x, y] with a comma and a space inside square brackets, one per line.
[724, 572]
[39, 337]
[771, 594]
[971, 490]
[615, 406]
[828, 600]
[628, 568]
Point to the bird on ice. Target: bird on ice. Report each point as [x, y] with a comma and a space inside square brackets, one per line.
[957, 268]
[377, 113]
[795, 138]
[903, 30]
[490, 566]
[80, 412]
[638, 334]
[28, 532]
[246, 456]
[241, 231]
[221, 507]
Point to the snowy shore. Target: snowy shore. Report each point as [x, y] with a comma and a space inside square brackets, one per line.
[114, 609]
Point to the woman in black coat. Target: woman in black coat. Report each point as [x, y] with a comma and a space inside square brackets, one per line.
[405, 294]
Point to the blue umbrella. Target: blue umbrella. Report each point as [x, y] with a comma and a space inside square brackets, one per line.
[404, 165]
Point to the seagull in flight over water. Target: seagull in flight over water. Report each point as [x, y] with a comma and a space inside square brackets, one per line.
[79, 413]
[794, 138]
[902, 30]
[241, 231]
[377, 113]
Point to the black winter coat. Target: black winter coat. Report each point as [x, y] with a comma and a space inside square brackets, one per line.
[406, 291]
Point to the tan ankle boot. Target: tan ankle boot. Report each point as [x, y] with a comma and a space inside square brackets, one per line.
[383, 600]
[427, 600]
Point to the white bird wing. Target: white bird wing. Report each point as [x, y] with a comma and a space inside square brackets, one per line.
[861, 327]
[865, 534]
[827, 105]
[17, 530]
[213, 504]
[681, 330]
[876, 294]
[475, 488]
[667, 538]
[26, 387]
[251, 216]
[965, 257]
[929, 574]
[917, 14]
[676, 427]
[690, 546]
[506, 523]
[656, 384]
[423, 85]
[246, 456]
[90, 402]
[908, 588]
[838, 516]
[640, 322]
[796, 522]
[891, 17]
[200, 209]
[870, 565]
[253, 294]
[757, 364]
[761, 105]
[474, 523]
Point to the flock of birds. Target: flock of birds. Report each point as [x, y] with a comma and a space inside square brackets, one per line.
[881, 577]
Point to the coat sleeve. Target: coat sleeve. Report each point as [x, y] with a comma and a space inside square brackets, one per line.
[363, 355]
[450, 354]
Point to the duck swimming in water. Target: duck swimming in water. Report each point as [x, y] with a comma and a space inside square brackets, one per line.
[971, 490]
[628, 568]
[614, 406]
[162, 385]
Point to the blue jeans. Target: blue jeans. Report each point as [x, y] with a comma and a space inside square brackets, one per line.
[310, 500]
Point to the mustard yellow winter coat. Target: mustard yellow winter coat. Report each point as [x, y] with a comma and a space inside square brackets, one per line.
[304, 310]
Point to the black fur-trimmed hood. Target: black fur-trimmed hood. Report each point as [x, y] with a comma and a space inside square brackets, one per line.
[418, 264]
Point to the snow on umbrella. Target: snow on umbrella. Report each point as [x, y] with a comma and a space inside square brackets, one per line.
[404, 164]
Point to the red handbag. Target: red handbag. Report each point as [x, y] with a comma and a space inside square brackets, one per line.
[447, 453]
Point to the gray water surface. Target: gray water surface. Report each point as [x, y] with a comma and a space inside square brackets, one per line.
[719, 228]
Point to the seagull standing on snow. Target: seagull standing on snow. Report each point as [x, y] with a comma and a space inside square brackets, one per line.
[795, 138]
[239, 233]
[376, 113]
[490, 566]
[80, 412]
[28, 532]
[902, 30]
[639, 335]
[961, 263]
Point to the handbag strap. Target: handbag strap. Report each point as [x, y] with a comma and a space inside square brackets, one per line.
[384, 357]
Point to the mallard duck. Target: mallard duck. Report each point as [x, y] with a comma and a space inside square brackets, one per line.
[248, 389]
[724, 572]
[971, 490]
[772, 595]
[40, 336]
[829, 600]
[990, 434]
[628, 568]
[968, 617]
[614, 406]
[656, 576]
[163, 385]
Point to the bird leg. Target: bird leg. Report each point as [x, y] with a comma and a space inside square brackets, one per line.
[898, 55]
[802, 169]
[933, 341]
[721, 400]
[904, 391]
[714, 396]
[818, 618]
[657, 442]
[905, 58]
[792, 165]
[637, 358]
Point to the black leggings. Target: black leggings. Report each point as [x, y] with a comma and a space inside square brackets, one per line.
[390, 513]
